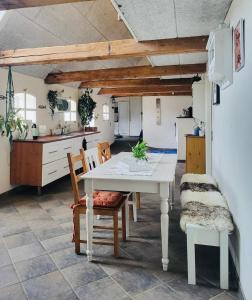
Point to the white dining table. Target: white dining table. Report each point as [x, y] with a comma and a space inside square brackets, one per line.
[108, 177]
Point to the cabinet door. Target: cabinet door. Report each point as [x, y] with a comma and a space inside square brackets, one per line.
[135, 116]
[195, 155]
[123, 108]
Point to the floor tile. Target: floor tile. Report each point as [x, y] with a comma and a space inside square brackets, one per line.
[136, 280]
[4, 256]
[158, 293]
[58, 243]
[67, 257]
[83, 273]
[192, 292]
[21, 239]
[13, 292]
[49, 232]
[49, 286]
[104, 289]
[35, 267]
[8, 276]
[223, 296]
[26, 252]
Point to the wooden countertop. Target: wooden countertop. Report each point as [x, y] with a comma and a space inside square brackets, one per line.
[57, 138]
[194, 136]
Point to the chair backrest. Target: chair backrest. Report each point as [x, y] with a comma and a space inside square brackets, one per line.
[91, 157]
[73, 160]
[104, 152]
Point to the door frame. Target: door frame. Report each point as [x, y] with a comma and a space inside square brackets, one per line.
[208, 125]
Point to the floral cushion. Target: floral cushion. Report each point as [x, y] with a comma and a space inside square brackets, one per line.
[105, 199]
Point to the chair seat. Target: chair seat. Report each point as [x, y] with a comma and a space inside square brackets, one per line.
[103, 199]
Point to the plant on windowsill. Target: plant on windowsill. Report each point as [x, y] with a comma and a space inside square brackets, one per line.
[86, 106]
[12, 124]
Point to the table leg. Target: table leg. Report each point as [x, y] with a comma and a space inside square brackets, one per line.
[89, 224]
[164, 207]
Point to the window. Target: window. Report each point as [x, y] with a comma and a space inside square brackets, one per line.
[105, 112]
[26, 103]
[70, 116]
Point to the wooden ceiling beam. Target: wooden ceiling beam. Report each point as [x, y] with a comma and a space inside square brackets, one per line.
[135, 83]
[153, 94]
[145, 89]
[124, 73]
[14, 4]
[101, 51]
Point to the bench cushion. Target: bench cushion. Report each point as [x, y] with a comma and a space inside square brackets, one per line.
[206, 198]
[198, 178]
[211, 217]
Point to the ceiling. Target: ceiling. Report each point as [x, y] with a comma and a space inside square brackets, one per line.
[93, 21]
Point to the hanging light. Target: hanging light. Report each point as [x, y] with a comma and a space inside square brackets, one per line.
[196, 78]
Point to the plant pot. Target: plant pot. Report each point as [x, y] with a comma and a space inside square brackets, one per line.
[137, 165]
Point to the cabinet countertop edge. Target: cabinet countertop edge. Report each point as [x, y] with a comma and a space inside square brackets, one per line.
[50, 138]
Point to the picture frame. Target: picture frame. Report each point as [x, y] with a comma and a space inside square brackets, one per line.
[239, 45]
[216, 94]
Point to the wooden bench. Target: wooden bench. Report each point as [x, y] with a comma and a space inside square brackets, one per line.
[206, 220]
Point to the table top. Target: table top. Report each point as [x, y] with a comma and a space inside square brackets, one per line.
[164, 170]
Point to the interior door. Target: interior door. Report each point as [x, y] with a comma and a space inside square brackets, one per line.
[135, 116]
[123, 110]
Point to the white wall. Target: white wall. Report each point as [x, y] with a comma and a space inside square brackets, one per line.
[162, 136]
[232, 148]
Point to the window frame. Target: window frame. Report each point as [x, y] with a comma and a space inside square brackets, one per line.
[105, 113]
[25, 109]
[70, 111]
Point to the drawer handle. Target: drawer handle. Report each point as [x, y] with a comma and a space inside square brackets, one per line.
[67, 148]
[52, 172]
[51, 152]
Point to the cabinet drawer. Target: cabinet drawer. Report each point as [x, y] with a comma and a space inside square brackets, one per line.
[64, 167]
[67, 147]
[51, 152]
[51, 172]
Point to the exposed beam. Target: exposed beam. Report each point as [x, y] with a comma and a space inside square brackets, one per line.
[14, 4]
[123, 73]
[146, 89]
[135, 82]
[153, 94]
[101, 51]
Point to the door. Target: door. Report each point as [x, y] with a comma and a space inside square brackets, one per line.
[135, 116]
[123, 110]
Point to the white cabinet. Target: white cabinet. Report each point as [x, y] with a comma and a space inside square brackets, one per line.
[54, 161]
[183, 126]
[198, 91]
[220, 56]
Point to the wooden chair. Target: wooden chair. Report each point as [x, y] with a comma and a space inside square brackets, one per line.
[104, 154]
[105, 203]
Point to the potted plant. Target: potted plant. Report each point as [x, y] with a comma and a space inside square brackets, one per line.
[139, 160]
[86, 106]
[52, 97]
[12, 124]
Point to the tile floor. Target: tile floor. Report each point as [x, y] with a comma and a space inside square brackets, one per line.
[37, 259]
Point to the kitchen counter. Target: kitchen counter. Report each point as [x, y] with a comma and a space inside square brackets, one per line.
[56, 138]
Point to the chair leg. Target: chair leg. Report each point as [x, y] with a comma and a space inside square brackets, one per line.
[138, 197]
[124, 223]
[224, 270]
[190, 258]
[76, 221]
[116, 241]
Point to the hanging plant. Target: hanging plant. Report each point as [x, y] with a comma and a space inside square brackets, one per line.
[86, 106]
[52, 97]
